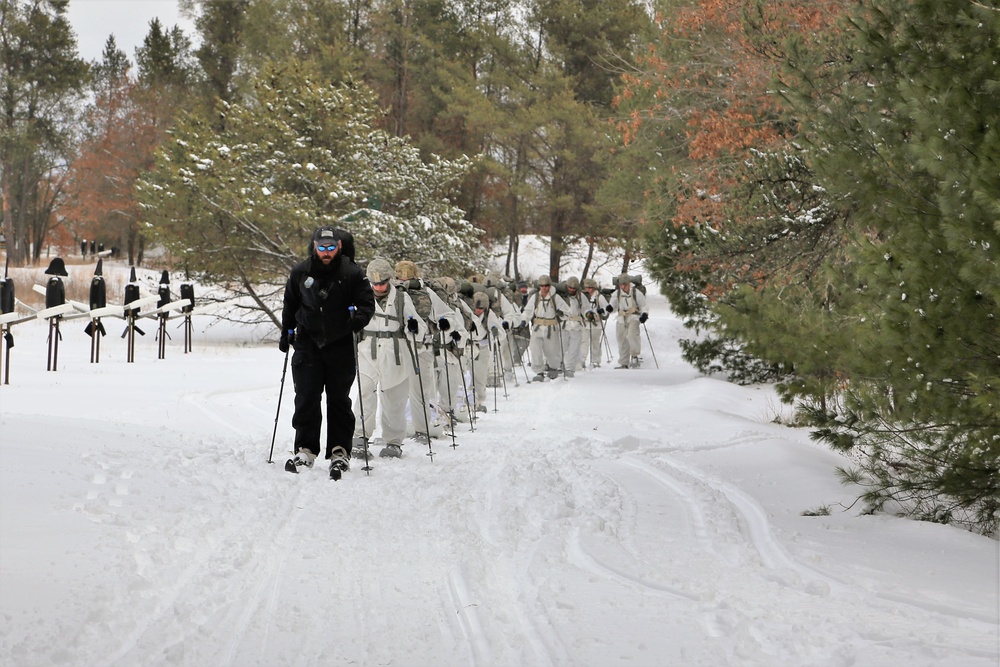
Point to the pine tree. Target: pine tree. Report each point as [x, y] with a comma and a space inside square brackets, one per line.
[911, 140]
[237, 206]
[41, 79]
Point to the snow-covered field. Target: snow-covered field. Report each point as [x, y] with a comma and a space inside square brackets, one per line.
[624, 517]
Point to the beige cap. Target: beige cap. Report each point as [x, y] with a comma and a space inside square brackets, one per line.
[406, 270]
[379, 270]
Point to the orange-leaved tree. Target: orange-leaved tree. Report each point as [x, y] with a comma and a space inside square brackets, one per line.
[731, 200]
[124, 126]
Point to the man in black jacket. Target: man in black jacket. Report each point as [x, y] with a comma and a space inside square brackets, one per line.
[328, 299]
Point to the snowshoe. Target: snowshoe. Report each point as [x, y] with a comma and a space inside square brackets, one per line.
[358, 448]
[392, 450]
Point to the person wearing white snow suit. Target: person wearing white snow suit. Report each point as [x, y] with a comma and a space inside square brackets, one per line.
[594, 314]
[327, 299]
[631, 306]
[572, 325]
[483, 327]
[545, 311]
[438, 318]
[385, 359]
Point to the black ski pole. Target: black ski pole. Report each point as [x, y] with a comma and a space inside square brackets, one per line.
[472, 373]
[493, 364]
[423, 397]
[604, 336]
[281, 390]
[520, 357]
[451, 396]
[651, 350]
[361, 399]
[501, 371]
[510, 351]
[465, 388]
[562, 350]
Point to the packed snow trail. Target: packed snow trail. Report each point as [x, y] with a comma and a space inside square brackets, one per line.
[646, 517]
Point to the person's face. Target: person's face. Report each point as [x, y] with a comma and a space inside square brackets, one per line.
[589, 291]
[544, 290]
[479, 311]
[571, 290]
[381, 287]
[626, 287]
[327, 251]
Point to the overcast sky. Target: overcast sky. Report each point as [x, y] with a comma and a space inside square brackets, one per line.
[128, 20]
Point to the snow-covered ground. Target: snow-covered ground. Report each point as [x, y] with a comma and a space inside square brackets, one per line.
[624, 517]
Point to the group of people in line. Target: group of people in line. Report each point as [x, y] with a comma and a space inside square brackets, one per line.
[425, 351]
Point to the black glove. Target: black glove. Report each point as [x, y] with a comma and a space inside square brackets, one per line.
[444, 324]
[559, 314]
[412, 326]
[455, 336]
[590, 316]
[643, 318]
[286, 340]
[506, 325]
[610, 309]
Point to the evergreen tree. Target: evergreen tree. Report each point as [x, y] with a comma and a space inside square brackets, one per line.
[164, 59]
[221, 25]
[733, 215]
[585, 42]
[910, 138]
[41, 80]
[112, 67]
[237, 206]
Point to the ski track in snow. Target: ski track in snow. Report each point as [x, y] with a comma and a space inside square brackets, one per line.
[491, 612]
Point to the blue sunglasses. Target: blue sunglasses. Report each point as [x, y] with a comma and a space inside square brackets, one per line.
[325, 248]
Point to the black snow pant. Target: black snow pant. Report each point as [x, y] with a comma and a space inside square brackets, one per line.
[315, 370]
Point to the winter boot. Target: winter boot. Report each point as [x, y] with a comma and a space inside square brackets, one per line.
[304, 459]
[392, 450]
[338, 462]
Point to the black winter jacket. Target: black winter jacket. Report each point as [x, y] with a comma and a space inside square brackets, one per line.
[318, 298]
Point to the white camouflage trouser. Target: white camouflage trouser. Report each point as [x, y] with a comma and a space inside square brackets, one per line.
[545, 348]
[417, 414]
[572, 336]
[629, 342]
[591, 343]
[449, 380]
[392, 400]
